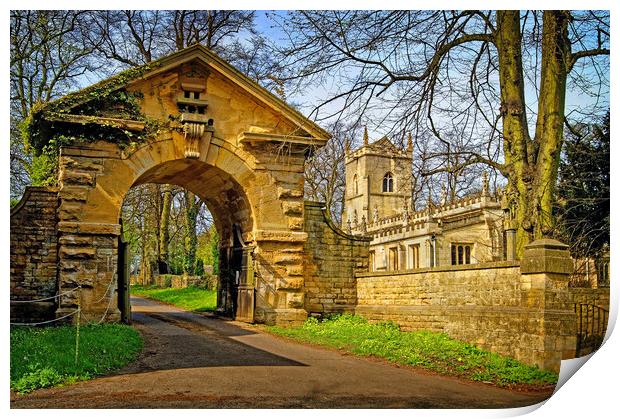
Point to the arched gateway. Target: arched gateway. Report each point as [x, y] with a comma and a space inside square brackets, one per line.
[192, 120]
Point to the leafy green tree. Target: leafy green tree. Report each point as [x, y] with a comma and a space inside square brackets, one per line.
[192, 206]
[215, 252]
[208, 248]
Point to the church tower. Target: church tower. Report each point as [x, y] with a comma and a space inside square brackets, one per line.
[378, 182]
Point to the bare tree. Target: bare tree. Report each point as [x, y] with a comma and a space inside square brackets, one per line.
[483, 74]
[325, 171]
[132, 38]
[47, 59]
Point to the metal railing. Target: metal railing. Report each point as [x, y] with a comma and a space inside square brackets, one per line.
[591, 327]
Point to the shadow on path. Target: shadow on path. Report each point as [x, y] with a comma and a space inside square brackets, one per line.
[196, 361]
[176, 338]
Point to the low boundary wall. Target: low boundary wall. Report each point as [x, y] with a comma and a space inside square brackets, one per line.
[522, 310]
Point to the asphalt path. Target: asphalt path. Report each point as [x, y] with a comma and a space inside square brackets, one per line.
[191, 360]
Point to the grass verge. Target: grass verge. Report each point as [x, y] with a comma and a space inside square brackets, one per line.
[45, 357]
[191, 298]
[433, 351]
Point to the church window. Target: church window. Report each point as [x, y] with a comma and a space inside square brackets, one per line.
[388, 183]
[393, 259]
[461, 254]
[414, 256]
[371, 261]
[355, 189]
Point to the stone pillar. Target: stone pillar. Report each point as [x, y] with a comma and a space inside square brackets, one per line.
[402, 257]
[88, 255]
[280, 282]
[511, 241]
[278, 236]
[551, 329]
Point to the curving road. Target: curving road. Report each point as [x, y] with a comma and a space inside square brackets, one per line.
[194, 361]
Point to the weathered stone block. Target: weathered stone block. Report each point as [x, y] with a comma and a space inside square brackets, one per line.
[293, 208]
[290, 283]
[288, 259]
[77, 178]
[296, 300]
[77, 252]
[74, 194]
[295, 223]
[546, 256]
[295, 270]
[80, 163]
[287, 193]
[72, 239]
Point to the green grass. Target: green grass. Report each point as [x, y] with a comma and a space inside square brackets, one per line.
[45, 357]
[434, 351]
[191, 298]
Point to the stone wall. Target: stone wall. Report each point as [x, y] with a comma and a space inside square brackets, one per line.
[595, 296]
[34, 255]
[331, 258]
[520, 310]
[475, 303]
[183, 281]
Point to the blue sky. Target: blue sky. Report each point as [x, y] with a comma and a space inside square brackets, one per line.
[575, 98]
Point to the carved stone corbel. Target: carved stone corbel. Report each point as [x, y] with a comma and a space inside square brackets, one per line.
[192, 105]
[193, 133]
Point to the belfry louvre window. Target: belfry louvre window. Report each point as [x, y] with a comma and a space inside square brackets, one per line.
[460, 254]
[388, 183]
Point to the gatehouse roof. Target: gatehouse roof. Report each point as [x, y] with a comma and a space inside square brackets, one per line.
[61, 109]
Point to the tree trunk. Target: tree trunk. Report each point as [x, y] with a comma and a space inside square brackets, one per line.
[532, 165]
[164, 228]
[515, 129]
[192, 205]
[556, 53]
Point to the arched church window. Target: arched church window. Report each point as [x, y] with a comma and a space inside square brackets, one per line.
[388, 183]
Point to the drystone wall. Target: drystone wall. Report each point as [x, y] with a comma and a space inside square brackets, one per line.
[520, 310]
[331, 259]
[34, 255]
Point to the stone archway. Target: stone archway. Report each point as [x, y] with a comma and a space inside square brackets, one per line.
[201, 125]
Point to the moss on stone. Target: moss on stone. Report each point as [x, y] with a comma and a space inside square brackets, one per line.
[108, 98]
